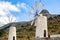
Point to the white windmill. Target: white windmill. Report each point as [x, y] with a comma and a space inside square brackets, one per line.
[40, 21]
[12, 29]
[9, 19]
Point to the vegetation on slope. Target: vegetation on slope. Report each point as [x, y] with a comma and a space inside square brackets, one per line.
[54, 25]
[25, 31]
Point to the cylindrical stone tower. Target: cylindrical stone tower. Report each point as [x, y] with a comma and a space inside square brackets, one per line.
[41, 26]
[12, 33]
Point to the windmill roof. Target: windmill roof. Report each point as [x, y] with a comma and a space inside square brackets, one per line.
[44, 11]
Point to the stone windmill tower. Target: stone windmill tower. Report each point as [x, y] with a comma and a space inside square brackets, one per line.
[12, 32]
[40, 21]
[41, 26]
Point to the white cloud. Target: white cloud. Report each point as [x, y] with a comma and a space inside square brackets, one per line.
[7, 7]
[8, 19]
[24, 6]
[4, 20]
[5, 12]
[28, 9]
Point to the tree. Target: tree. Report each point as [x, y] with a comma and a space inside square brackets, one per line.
[1, 32]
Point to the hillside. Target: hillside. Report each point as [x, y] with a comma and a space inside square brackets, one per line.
[54, 25]
[26, 31]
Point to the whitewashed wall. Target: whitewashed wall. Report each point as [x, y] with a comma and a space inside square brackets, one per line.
[41, 25]
[12, 32]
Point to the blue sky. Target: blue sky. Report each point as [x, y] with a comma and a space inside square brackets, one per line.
[51, 5]
[23, 7]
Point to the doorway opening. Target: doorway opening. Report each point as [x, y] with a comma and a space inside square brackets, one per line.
[13, 37]
[44, 33]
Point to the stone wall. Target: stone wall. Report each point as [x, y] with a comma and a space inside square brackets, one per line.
[55, 38]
